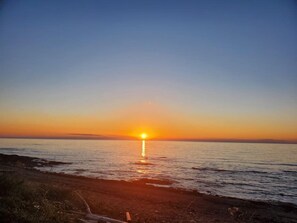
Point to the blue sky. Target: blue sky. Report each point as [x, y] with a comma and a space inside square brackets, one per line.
[197, 58]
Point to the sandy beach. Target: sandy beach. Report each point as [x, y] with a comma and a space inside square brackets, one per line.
[147, 203]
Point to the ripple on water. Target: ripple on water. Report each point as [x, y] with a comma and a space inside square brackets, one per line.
[143, 163]
[154, 181]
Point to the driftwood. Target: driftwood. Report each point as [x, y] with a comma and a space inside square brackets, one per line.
[128, 217]
[90, 217]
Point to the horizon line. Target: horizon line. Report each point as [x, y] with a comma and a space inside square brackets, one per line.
[102, 137]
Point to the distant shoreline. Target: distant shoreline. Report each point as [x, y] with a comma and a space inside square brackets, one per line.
[262, 141]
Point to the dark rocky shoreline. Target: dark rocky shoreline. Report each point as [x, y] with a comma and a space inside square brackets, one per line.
[148, 203]
[26, 161]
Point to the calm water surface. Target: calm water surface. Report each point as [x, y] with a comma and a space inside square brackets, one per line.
[252, 171]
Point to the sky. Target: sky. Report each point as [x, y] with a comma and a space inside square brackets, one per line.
[173, 69]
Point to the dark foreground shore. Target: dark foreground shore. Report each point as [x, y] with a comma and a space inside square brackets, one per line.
[55, 194]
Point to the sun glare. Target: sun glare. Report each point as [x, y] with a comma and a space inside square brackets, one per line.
[143, 135]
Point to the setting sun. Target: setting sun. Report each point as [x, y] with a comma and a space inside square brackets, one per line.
[143, 136]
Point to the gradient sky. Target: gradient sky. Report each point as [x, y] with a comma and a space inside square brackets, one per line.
[174, 69]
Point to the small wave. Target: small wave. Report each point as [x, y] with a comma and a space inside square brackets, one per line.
[159, 158]
[102, 172]
[79, 170]
[237, 184]
[37, 160]
[274, 164]
[154, 181]
[188, 179]
[123, 171]
[210, 183]
[209, 169]
[231, 171]
[143, 163]
[290, 171]
[12, 149]
[283, 164]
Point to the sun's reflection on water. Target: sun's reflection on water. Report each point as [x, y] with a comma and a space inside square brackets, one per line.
[143, 149]
[141, 171]
[143, 160]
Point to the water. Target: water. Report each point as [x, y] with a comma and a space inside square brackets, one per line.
[251, 171]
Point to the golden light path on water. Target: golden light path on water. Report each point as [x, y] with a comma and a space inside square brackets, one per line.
[143, 136]
[143, 149]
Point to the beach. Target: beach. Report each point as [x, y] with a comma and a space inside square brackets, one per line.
[147, 203]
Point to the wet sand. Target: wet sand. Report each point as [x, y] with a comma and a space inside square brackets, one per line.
[147, 203]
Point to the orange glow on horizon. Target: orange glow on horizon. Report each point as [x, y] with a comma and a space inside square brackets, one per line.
[156, 121]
